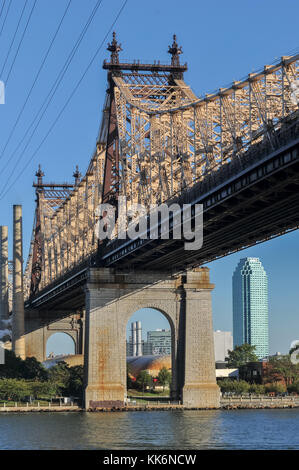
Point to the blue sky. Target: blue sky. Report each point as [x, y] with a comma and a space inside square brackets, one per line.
[222, 41]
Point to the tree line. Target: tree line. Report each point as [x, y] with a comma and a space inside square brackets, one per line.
[280, 373]
[23, 380]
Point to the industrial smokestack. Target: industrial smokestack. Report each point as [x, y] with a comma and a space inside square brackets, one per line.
[3, 273]
[18, 339]
[139, 338]
[134, 345]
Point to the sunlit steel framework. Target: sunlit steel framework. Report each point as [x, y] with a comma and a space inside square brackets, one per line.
[156, 139]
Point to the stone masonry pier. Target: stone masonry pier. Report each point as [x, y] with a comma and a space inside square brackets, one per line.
[185, 300]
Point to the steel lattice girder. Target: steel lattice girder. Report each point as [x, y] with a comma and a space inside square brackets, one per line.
[168, 140]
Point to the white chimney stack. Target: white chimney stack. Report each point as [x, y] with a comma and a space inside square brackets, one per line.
[139, 338]
[134, 345]
[3, 273]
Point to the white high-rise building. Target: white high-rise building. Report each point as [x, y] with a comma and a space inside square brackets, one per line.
[223, 341]
[250, 306]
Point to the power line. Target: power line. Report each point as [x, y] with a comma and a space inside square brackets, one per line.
[50, 95]
[36, 78]
[7, 11]
[3, 5]
[68, 100]
[14, 37]
[20, 42]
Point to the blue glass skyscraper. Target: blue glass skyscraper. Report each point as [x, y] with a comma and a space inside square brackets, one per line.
[250, 306]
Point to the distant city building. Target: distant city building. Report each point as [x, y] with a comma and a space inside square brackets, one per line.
[223, 341]
[277, 354]
[128, 347]
[250, 306]
[226, 373]
[147, 348]
[160, 341]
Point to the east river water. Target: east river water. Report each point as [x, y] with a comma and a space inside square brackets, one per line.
[234, 429]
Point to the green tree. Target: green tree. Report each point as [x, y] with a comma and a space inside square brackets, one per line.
[275, 387]
[32, 369]
[17, 368]
[75, 386]
[241, 355]
[257, 389]
[14, 389]
[281, 368]
[23, 378]
[60, 376]
[239, 387]
[45, 390]
[164, 377]
[12, 366]
[67, 380]
[143, 379]
[294, 387]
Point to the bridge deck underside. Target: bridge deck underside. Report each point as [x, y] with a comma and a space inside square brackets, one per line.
[260, 203]
[64, 296]
[261, 211]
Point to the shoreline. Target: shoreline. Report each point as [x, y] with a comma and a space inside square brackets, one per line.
[148, 408]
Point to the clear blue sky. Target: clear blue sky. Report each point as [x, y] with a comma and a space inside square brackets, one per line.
[222, 41]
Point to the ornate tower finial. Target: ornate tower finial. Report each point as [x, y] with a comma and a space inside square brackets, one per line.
[77, 175]
[39, 175]
[114, 48]
[175, 52]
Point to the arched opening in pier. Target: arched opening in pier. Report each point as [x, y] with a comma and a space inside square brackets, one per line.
[60, 344]
[149, 351]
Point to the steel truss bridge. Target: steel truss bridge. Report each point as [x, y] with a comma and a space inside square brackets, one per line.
[235, 152]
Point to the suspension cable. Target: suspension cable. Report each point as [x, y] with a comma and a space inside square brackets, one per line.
[7, 11]
[36, 77]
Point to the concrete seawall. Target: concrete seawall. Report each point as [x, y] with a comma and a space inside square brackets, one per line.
[231, 403]
[259, 402]
[38, 409]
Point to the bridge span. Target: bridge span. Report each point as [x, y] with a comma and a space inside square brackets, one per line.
[234, 152]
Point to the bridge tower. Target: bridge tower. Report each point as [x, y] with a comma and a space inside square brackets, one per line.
[139, 171]
[44, 265]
